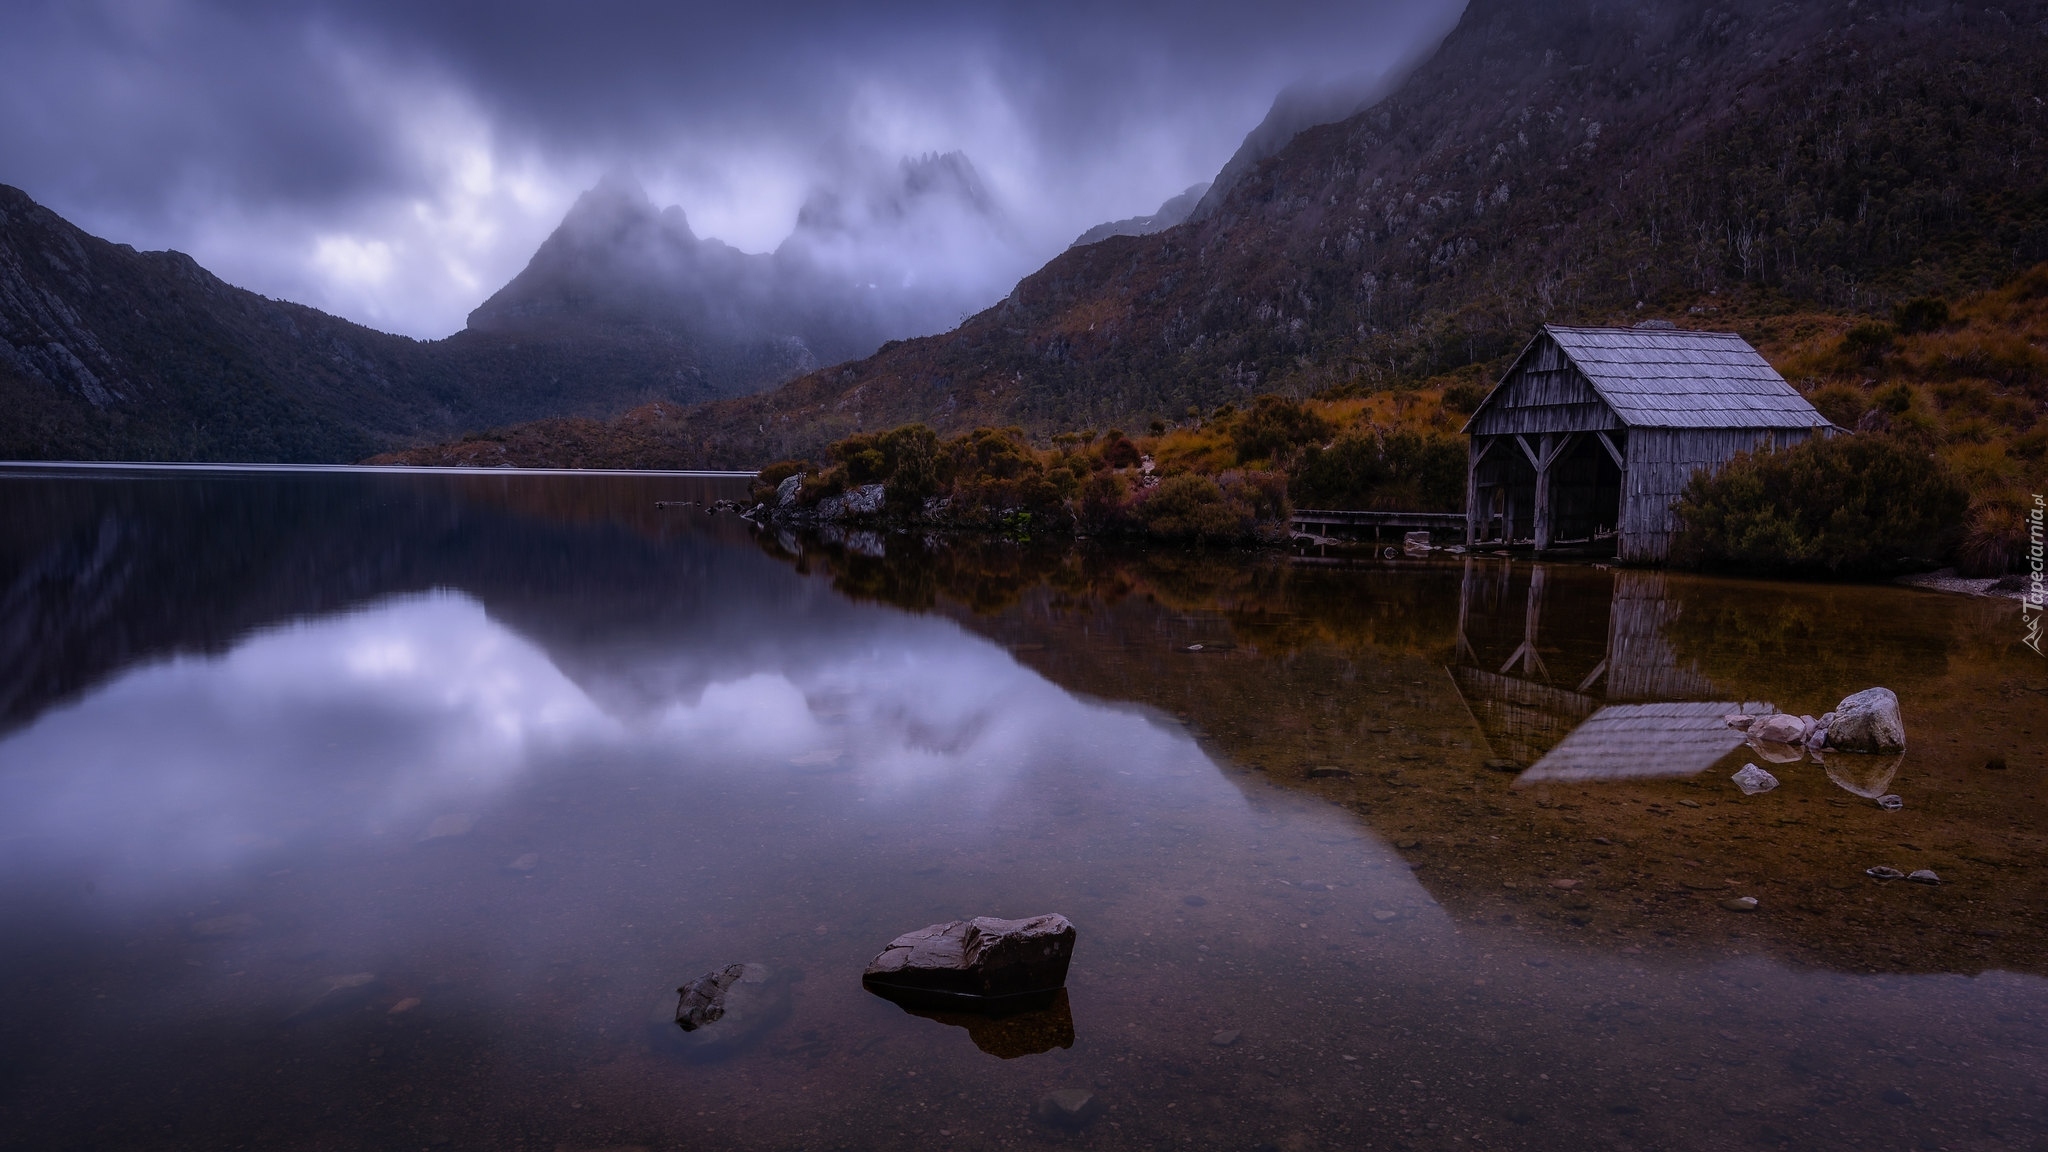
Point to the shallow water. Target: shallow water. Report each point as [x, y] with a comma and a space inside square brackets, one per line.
[389, 811]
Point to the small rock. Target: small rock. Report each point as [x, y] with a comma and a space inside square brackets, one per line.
[1753, 780]
[1779, 729]
[702, 1001]
[1890, 803]
[865, 500]
[1225, 1038]
[1923, 876]
[1740, 904]
[451, 824]
[1194, 901]
[785, 492]
[1567, 885]
[1883, 873]
[1328, 772]
[1739, 721]
[403, 1006]
[979, 959]
[1503, 765]
[1072, 1108]
[1689, 803]
[1194, 648]
[525, 862]
[1383, 916]
[721, 1012]
[1868, 721]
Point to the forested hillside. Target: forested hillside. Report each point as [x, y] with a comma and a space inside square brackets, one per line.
[1558, 160]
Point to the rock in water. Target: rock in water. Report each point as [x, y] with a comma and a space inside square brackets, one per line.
[702, 1001]
[1779, 729]
[721, 1012]
[979, 959]
[1753, 780]
[1868, 722]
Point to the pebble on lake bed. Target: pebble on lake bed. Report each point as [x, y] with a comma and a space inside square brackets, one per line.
[1881, 872]
[1068, 1108]
[1923, 876]
[1225, 1038]
[1890, 803]
[1740, 904]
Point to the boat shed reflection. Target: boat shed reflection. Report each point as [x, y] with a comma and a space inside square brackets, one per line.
[1569, 674]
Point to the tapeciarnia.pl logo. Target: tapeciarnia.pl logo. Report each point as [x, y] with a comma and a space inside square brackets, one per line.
[2036, 600]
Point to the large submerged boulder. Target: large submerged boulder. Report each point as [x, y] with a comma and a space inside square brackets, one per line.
[1868, 722]
[979, 960]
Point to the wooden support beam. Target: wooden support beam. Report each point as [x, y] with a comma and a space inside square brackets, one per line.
[1607, 442]
[1474, 455]
[1551, 446]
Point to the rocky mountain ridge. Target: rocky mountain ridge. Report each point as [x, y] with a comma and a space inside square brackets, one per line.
[1560, 160]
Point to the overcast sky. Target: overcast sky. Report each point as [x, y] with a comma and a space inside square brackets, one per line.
[396, 161]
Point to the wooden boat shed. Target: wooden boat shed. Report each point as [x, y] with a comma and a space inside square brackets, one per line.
[1593, 433]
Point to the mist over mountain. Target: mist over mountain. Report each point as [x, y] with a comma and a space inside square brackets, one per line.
[1555, 160]
[1172, 212]
[897, 253]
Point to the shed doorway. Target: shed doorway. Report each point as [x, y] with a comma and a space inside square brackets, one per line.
[1585, 494]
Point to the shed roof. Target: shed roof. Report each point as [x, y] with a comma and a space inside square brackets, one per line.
[1671, 378]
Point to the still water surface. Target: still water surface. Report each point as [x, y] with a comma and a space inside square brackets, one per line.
[349, 811]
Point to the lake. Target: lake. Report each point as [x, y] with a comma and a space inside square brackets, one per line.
[369, 810]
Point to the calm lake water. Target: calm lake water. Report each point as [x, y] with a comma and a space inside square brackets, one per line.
[388, 811]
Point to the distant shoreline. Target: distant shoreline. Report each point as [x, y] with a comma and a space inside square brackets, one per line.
[73, 466]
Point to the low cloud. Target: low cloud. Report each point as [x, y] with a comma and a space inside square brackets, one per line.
[396, 163]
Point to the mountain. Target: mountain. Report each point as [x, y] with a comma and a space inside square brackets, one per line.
[1172, 212]
[852, 274]
[110, 353]
[1554, 160]
[1298, 108]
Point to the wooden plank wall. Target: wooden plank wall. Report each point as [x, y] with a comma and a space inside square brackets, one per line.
[1544, 393]
[1660, 463]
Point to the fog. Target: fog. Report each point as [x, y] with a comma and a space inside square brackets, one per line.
[397, 163]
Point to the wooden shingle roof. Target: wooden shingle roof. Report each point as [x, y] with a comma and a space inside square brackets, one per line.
[1670, 378]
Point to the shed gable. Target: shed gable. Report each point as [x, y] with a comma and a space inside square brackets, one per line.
[1543, 392]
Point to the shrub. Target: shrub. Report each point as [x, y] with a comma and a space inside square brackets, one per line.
[1995, 541]
[1465, 396]
[1925, 314]
[1118, 452]
[770, 478]
[1275, 426]
[1193, 508]
[1844, 404]
[1867, 343]
[1402, 470]
[1849, 506]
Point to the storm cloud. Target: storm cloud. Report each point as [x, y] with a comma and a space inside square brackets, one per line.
[396, 162]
